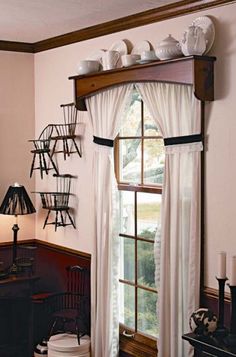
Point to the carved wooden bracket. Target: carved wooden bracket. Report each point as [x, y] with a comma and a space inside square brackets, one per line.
[194, 70]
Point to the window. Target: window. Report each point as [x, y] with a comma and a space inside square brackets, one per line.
[139, 162]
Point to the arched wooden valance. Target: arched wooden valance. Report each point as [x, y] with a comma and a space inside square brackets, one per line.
[195, 70]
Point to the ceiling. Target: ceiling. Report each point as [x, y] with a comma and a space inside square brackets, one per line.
[35, 20]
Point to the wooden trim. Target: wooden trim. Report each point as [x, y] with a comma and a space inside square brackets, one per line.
[25, 241]
[16, 46]
[193, 70]
[139, 188]
[62, 249]
[52, 246]
[212, 293]
[128, 22]
[138, 345]
[162, 13]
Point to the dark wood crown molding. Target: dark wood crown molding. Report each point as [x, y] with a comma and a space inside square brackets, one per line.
[140, 19]
[16, 46]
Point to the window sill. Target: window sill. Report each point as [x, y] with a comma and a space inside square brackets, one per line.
[138, 346]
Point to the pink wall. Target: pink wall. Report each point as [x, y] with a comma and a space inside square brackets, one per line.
[52, 87]
[16, 127]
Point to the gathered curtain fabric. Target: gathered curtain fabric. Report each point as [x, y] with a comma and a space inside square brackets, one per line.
[176, 112]
[105, 112]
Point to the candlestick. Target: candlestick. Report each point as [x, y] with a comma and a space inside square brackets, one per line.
[233, 271]
[231, 338]
[221, 265]
[221, 329]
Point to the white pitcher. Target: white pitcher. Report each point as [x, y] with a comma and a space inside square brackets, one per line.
[193, 41]
[110, 59]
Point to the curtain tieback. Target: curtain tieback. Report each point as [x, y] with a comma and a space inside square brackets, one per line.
[103, 141]
[187, 139]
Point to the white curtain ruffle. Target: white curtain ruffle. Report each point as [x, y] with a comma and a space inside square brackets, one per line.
[176, 112]
[105, 112]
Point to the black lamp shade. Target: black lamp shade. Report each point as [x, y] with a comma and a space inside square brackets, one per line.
[16, 202]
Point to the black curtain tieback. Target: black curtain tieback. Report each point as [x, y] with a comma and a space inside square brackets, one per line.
[187, 139]
[103, 141]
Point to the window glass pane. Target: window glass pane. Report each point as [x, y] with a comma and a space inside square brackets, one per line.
[127, 212]
[146, 265]
[147, 317]
[148, 214]
[127, 260]
[150, 127]
[127, 305]
[153, 161]
[130, 160]
[131, 125]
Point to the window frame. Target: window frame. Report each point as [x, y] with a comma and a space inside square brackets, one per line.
[134, 342]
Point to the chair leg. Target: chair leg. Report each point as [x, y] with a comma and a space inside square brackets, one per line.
[62, 219]
[41, 166]
[46, 220]
[32, 165]
[52, 328]
[65, 149]
[77, 331]
[53, 164]
[54, 148]
[77, 149]
[45, 168]
[56, 221]
[70, 218]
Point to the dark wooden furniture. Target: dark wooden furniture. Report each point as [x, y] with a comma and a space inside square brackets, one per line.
[210, 346]
[42, 152]
[70, 310]
[58, 202]
[195, 70]
[66, 133]
[51, 261]
[16, 316]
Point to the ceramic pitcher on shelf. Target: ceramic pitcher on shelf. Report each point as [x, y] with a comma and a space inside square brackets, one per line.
[109, 59]
[193, 41]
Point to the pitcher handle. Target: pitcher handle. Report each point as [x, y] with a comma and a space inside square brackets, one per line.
[117, 57]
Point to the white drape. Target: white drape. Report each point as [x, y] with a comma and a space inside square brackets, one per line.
[105, 109]
[175, 110]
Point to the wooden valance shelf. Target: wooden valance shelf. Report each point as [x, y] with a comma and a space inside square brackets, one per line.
[195, 70]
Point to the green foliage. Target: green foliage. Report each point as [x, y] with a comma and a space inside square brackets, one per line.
[147, 321]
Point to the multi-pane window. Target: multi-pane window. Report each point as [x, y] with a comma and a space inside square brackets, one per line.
[139, 163]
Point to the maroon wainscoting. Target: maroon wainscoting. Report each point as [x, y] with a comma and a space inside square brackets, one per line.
[51, 263]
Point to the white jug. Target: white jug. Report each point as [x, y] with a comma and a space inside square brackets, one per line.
[110, 59]
[193, 41]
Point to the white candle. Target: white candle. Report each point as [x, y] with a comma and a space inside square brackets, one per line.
[222, 265]
[233, 271]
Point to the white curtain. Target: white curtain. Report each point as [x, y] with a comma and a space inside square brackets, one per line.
[176, 112]
[105, 110]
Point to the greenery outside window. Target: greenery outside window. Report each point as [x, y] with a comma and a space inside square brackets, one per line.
[139, 163]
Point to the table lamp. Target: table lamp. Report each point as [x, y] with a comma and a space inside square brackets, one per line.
[16, 202]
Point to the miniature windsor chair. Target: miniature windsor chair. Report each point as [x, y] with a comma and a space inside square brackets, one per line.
[42, 151]
[66, 132]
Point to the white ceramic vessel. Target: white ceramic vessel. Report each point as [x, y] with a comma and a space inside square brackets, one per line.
[110, 59]
[129, 60]
[87, 66]
[168, 48]
[193, 41]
